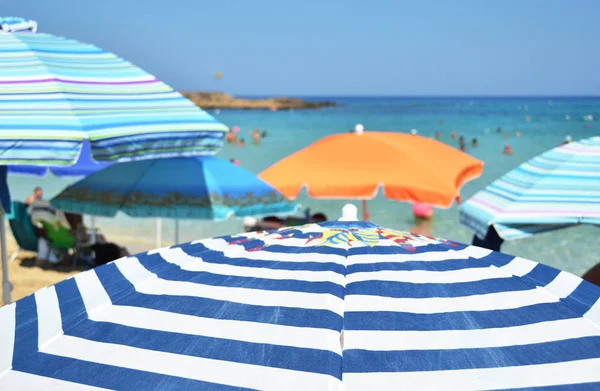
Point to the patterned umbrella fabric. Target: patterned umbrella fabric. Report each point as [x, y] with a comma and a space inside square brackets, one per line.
[558, 189]
[206, 187]
[15, 24]
[336, 306]
[84, 166]
[56, 92]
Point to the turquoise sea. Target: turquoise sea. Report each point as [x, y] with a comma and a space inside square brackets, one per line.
[542, 121]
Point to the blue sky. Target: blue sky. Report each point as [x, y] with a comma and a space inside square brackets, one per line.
[343, 47]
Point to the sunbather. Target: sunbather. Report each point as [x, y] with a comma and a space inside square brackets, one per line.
[274, 222]
[44, 216]
[37, 194]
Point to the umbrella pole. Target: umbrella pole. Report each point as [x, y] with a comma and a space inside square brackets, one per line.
[366, 215]
[176, 231]
[158, 233]
[93, 228]
[6, 285]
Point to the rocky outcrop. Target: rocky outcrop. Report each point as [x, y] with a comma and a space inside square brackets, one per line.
[220, 100]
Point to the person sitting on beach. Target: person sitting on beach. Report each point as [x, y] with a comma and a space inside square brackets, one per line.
[474, 143]
[41, 211]
[423, 214]
[37, 194]
[274, 222]
[318, 218]
[102, 251]
[508, 150]
[231, 137]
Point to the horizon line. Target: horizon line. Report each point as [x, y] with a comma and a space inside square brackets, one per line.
[421, 96]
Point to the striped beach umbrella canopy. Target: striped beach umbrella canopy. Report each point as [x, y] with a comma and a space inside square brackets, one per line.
[204, 187]
[83, 167]
[342, 305]
[557, 189]
[57, 92]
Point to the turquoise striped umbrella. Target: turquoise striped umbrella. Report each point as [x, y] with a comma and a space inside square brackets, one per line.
[557, 189]
[56, 92]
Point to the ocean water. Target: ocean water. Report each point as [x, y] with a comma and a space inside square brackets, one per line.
[542, 122]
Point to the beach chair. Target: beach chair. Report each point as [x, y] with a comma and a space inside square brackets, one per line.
[22, 229]
[63, 241]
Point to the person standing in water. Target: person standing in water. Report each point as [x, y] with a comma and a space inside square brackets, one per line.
[461, 143]
[256, 136]
[231, 137]
[423, 218]
[474, 143]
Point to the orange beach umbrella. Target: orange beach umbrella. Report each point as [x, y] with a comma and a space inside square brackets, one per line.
[355, 165]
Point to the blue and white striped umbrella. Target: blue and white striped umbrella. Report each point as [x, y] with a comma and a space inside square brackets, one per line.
[57, 92]
[337, 306]
[557, 189]
[83, 167]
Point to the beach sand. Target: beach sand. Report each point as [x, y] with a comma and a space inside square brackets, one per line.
[28, 278]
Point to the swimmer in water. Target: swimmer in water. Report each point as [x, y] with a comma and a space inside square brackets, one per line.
[256, 136]
[506, 136]
[241, 143]
[235, 162]
[518, 133]
[263, 134]
[498, 130]
[231, 137]
[461, 143]
[438, 135]
[568, 139]
[508, 150]
[474, 143]
[453, 134]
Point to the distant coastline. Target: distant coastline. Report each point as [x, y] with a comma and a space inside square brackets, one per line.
[220, 100]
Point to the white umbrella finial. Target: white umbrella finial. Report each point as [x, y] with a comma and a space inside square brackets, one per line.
[349, 213]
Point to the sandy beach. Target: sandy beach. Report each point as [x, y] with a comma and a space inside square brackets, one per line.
[28, 278]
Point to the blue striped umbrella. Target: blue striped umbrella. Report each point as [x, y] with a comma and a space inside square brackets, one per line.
[336, 306]
[205, 187]
[557, 189]
[56, 92]
[83, 167]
